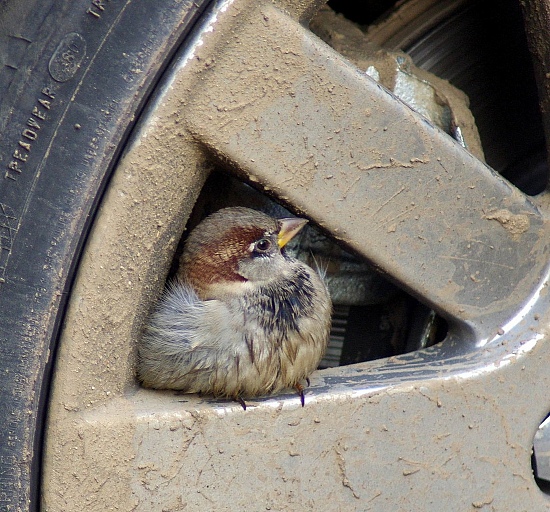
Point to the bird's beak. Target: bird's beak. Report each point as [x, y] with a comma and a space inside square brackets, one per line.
[289, 228]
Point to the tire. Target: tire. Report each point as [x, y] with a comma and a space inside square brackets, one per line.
[74, 77]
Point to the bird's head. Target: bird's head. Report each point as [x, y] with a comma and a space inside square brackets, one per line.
[237, 247]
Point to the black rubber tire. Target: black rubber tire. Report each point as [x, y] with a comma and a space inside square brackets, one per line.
[74, 76]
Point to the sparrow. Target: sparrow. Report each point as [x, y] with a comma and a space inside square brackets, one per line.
[243, 318]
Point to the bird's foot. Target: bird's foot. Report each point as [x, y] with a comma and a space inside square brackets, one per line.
[300, 390]
[241, 401]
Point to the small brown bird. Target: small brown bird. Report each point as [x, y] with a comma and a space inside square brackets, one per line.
[244, 318]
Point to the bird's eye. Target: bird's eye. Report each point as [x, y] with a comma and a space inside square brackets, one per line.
[262, 245]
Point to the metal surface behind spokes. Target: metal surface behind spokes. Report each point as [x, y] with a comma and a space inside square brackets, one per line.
[291, 114]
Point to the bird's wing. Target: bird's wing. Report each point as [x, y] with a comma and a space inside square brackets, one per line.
[174, 324]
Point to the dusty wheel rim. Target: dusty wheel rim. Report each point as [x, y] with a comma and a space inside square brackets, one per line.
[141, 441]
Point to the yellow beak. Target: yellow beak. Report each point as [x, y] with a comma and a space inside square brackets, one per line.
[289, 228]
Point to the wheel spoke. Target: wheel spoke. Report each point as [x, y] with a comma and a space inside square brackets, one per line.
[332, 143]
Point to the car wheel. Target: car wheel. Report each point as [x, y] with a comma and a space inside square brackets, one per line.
[94, 209]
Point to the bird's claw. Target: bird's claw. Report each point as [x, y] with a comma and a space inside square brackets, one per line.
[241, 401]
[300, 390]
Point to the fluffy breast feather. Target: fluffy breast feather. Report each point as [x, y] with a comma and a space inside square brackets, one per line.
[251, 344]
